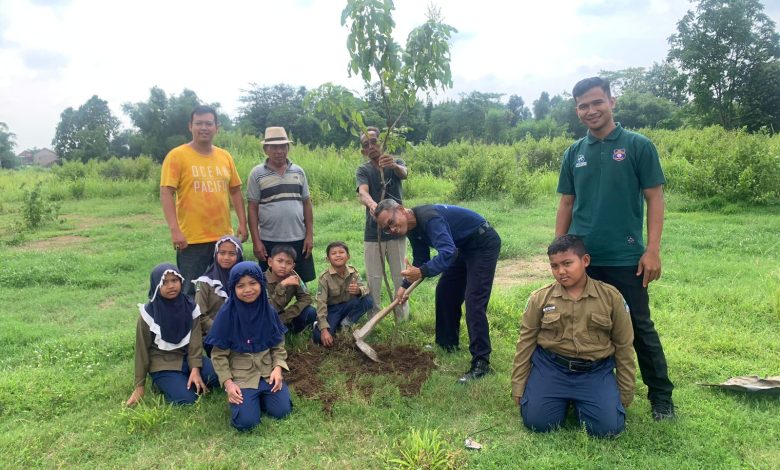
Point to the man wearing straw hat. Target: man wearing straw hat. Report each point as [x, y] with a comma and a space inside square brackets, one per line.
[280, 210]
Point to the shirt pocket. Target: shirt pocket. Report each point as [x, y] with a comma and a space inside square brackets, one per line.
[551, 327]
[600, 327]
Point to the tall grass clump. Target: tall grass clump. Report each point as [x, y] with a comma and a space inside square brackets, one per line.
[495, 172]
[713, 163]
[424, 449]
[427, 158]
[329, 171]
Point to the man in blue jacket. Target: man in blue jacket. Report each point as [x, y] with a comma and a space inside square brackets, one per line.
[468, 250]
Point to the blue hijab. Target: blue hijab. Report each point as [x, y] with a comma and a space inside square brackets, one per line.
[243, 327]
[216, 276]
[169, 320]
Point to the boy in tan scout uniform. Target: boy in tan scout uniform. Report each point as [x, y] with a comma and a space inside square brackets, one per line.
[342, 298]
[574, 332]
[284, 284]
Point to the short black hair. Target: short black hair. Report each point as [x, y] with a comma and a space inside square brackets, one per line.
[586, 84]
[336, 244]
[565, 243]
[203, 109]
[286, 249]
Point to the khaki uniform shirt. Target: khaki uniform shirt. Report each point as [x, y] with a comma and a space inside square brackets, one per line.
[247, 369]
[149, 358]
[209, 303]
[280, 296]
[594, 327]
[332, 290]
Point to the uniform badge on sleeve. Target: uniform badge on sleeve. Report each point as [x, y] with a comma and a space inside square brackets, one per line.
[580, 161]
[619, 155]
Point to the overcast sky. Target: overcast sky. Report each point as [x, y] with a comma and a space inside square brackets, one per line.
[58, 53]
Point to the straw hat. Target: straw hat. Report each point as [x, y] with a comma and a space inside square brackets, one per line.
[276, 135]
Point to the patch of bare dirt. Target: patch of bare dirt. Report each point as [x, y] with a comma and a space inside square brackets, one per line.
[406, 366]
[62, 241]
[515, 272]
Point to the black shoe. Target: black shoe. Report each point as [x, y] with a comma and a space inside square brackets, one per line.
[663, 410]
[479, 369]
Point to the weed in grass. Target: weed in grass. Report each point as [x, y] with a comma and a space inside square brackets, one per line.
[36, 210]
[148, 415]
[424, 449]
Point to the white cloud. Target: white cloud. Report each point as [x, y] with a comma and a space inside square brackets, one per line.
[58, 54]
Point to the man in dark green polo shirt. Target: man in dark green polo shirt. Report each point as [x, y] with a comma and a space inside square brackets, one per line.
[606, 177]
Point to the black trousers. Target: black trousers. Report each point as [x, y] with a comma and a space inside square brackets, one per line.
[192, 262]
[649, 352]
[469, 279]
[303, 266]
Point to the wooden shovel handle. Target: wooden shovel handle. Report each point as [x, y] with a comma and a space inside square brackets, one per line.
[382, 313]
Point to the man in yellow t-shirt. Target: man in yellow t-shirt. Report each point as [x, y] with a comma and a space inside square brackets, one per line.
[195, 183]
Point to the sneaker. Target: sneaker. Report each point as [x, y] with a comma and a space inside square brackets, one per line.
[663, 410]
[479, 369]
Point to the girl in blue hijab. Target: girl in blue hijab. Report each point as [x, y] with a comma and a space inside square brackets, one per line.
[248, 349]
[212, 285]
[169, 342]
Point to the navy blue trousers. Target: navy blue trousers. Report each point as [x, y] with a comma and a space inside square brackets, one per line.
[307, 317]
[649, 352]
[551, 387]
[469, 279]
[277, 405]
[349, 311]
[173, 383]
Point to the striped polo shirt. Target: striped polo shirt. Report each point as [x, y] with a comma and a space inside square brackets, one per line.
[280, 199]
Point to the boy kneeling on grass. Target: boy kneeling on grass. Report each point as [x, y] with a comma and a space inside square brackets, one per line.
[573, 334]
[284, 284]
[342, 298]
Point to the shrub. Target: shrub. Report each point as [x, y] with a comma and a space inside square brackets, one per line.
[36, 210]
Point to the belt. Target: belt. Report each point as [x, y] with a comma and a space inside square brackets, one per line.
[482, 229]
[574, 365]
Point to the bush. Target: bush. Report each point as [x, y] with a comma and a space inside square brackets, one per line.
[496, 173]
[713, 162]
[37, 211]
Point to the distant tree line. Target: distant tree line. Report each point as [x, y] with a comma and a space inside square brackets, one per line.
[723, 67]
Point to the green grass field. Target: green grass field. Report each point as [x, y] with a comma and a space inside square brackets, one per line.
[68, 296]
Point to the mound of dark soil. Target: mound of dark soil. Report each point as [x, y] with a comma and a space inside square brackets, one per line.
[404, 365]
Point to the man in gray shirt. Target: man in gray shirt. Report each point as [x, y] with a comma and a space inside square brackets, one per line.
[280, 210]
[369, 189]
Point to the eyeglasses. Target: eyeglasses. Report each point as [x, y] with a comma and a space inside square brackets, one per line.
[392, 222]
[368, 142]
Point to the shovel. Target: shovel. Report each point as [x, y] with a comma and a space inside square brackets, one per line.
[370, 324]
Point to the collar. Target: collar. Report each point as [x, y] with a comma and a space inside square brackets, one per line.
[350, 270]
[265, 164]
[271, 277]
[614, 135]
[589, 291]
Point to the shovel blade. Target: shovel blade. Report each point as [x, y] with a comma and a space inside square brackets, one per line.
[367, 350]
